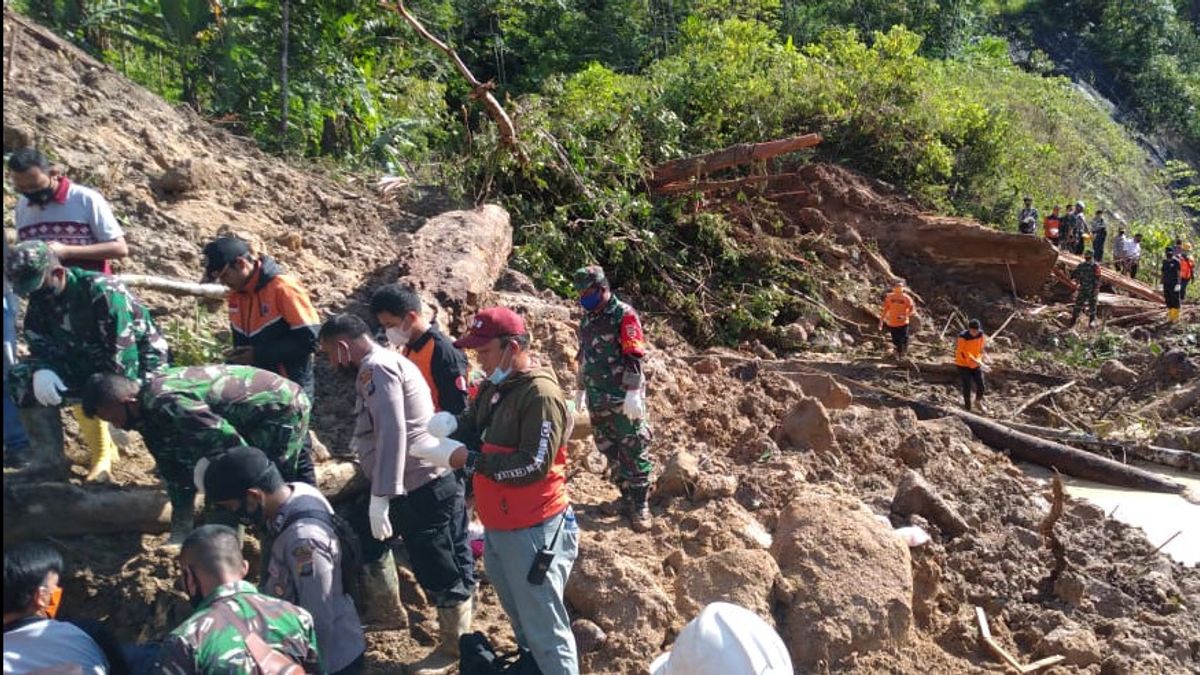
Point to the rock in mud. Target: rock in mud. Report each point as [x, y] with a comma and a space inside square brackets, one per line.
[714, 486]
[707, 365]
[806, 426]
[1115, 372]
[588, 636]
[832, 394]
[1175, 366]
[617, 594]
[678, 478]
[1076, 644]
[188, 176]
[914, 496]
[742, 576]
[851, 579]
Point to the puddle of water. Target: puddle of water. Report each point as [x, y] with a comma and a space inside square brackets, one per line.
[1158, 515]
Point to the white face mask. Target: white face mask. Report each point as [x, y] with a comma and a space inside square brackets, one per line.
[397, 337]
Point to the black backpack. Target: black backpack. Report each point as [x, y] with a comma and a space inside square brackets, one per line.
[352, 555]
[478, 657]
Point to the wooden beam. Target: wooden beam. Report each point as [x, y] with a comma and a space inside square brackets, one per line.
[734, 155]
[1115, 279]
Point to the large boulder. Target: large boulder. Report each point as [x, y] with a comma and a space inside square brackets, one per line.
[806, 426]
[831, 393]
[1113, 371]
[848, 576]
[617, 594]
[744, 577]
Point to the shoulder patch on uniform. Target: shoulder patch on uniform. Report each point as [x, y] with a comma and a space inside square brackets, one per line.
[364, 377]
[303, 555]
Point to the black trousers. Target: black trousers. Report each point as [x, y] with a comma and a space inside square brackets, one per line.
[430, 521]
[1098, 238]
[969, 377]
[899, 335]
[1172, 298]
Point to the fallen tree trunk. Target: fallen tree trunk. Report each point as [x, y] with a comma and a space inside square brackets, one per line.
[1052, 454]
[174, 286]
[455, 259]
[1178, 459]
[62, 509]
[46, 509]
[1115, 279]
[691, 167]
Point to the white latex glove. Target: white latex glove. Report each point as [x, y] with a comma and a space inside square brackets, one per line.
[46, 387]
[198, 473]
[581, 401]
[438, 455]
[381, 526]
[1177, 287]
[635, 404]
[442, 425]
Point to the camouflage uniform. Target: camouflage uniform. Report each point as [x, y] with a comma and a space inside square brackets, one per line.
[210, 642]
[94, 325]
[189, 413]
[1087, 274]
[611, 347]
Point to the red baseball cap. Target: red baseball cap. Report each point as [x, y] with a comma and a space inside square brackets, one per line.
[490, 324]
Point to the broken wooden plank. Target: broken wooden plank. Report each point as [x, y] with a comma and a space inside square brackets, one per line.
[1040, 397]
[696, 165]
[1001, 653]
[174, 286]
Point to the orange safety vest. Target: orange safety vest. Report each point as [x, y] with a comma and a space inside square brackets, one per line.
[1051, 225]
[897, 307]
[969, 350]
[1186, 267]
[513, 507]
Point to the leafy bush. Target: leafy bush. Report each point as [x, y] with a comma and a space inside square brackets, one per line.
[201, 340]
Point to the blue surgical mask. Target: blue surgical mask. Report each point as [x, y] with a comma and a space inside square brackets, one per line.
[500, 374]
[592, 300]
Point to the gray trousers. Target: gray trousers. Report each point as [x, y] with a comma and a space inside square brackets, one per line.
[537, 612]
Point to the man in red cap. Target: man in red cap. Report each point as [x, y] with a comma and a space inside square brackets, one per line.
[531, 539]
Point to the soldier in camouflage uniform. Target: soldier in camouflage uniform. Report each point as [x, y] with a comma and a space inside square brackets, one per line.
[188, 416]
[1087, 276]
[77, 323]
[235, 630]
[611, 347]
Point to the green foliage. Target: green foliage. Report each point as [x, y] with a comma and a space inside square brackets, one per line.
[1090, 351]
[197, 341]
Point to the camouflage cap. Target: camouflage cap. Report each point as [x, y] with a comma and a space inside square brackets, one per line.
[586, 277]
[26, 266]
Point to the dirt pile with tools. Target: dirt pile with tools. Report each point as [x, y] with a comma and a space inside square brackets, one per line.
[783, 472]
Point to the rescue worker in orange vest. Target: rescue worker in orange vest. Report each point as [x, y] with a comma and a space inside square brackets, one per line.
[898, 308]
[398, 309]
[515, 431]
[1187, 269]
[968, 356]
[1052, 226]
[273, 321]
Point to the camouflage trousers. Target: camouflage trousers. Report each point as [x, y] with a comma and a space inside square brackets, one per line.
[282, 439]
[1081, 299]
[625, 442]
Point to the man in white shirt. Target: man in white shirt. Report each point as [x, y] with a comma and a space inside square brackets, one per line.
[33, 639]
[81, 230]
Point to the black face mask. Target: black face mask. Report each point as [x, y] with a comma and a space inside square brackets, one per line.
[40, 197]
[195, 599]
[247, 517]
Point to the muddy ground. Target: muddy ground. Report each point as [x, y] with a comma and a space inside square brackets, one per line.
[768, 498]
